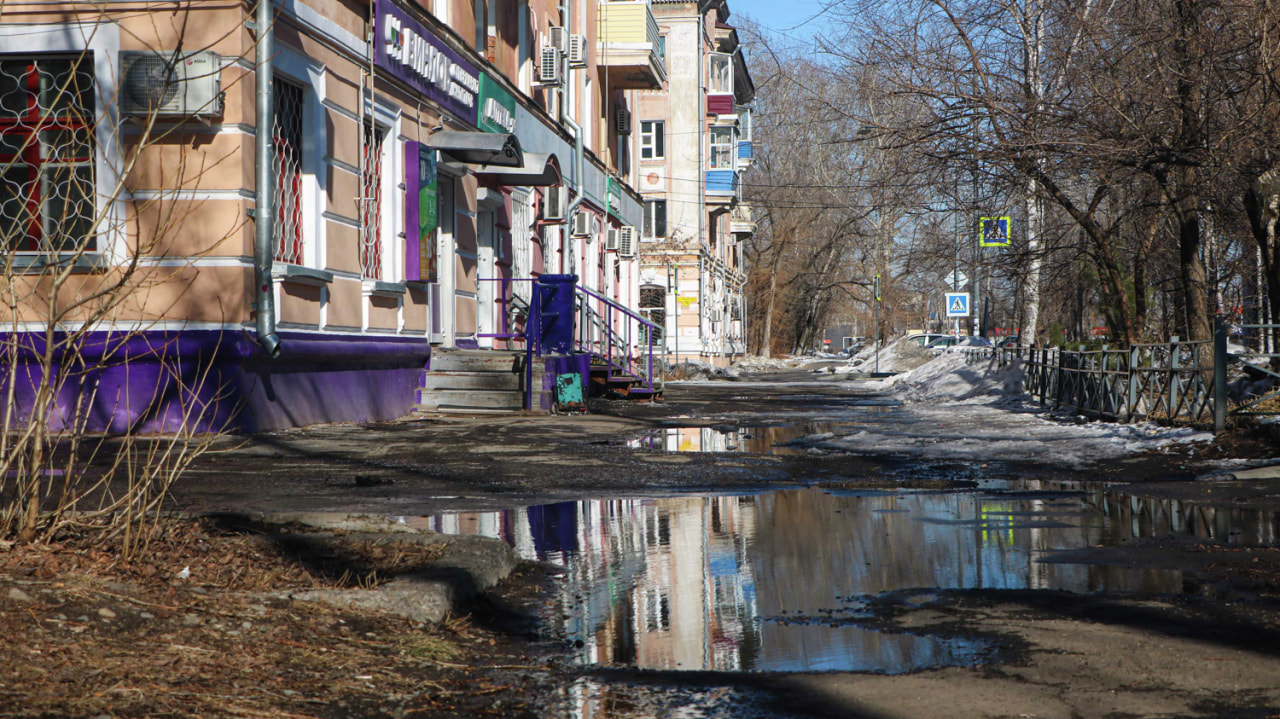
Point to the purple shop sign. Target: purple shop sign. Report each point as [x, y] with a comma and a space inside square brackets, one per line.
[407, 49]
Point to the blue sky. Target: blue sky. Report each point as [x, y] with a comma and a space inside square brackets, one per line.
[794, 18]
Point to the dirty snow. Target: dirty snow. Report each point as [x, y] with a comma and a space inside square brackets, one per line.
[956, 411]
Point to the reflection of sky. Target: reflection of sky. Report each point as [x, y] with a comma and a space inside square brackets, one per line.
[776, 581]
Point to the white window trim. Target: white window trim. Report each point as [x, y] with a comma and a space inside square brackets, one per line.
[711, 74]
[732, 145]
[652, 143]
[103, 40]
[310, 76]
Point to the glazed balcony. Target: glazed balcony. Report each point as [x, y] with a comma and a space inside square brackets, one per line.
[722, 186]
[627, 50]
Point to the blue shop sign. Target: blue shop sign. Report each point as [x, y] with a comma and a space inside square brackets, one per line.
[410, 53]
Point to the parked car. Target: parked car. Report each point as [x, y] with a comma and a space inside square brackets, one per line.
[925, 338]
[947, 344]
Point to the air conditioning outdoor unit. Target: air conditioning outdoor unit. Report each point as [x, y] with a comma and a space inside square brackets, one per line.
[622, 120]
[556, 38]
[577, 51]
[549, 66]
[611, 240]
[627, 242]
[582, 224]
[168, 84]
[553, 209]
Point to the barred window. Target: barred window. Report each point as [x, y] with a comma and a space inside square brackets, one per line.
[286, 144]
[371, 203]
[47, 195]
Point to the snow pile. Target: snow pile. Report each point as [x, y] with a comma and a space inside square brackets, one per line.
[956, 411]
[899, 355]
[950, 376]
[756, 363]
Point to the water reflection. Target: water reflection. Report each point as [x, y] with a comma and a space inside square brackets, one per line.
[756, 440]
[777, 581]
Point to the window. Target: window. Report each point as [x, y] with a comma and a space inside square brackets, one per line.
[652, 140]
[721, 80]
[722, 148]
[662, 46]
[371, 202]
[286, 148]
[653, 307]
[47, 195]
[655, 219]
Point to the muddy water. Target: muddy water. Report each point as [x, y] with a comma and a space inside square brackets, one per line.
[779, 581]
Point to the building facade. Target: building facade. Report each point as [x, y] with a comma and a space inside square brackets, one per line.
[692, 143]
[291, 208]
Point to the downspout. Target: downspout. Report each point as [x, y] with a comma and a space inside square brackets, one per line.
[566, 118]
[263, 247]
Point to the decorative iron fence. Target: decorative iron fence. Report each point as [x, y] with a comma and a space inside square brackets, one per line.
[1175, 381]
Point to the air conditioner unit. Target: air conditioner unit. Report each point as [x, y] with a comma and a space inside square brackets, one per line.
[713, 315]
[582, 224]
[169, 84]
[577, 51]
[556, 38]
[553, 209]
[549, 66]
[611, 240]
[627, 242]
[621, 120]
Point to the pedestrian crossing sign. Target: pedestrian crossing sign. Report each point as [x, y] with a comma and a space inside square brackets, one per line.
[993, 232]
[957, 304]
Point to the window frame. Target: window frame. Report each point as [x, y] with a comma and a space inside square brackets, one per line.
[728, 147]
[649, 230]
[387, 116]
[309, 74]
[721, 84]
[103, 41]
[653, 140]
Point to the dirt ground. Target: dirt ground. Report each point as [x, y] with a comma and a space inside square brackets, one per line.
[92, 636]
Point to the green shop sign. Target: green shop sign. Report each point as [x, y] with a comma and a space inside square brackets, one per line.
[497, 106]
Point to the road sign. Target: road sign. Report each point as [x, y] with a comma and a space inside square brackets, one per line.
[956, 280]
[957, 304]
[993, 232]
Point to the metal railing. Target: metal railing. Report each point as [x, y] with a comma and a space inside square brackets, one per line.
[1175, 381]
[617, 335]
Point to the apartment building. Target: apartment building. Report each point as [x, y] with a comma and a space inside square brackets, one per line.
[692, 144]
[308, 199]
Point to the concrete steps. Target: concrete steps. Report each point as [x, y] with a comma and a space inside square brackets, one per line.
[477, 381]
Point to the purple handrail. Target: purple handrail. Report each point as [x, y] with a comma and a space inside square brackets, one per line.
[612, 306]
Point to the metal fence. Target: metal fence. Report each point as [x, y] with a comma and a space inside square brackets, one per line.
[1175, 381]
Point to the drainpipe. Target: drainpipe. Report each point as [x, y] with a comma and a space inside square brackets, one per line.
[263, 247]
[579, 160]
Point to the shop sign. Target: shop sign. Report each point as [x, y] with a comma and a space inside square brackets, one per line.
[612, 196]
[407, 50]
[422, 212]
[497, 106]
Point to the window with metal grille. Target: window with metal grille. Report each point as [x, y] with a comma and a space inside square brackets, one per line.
[286, 144]
[653, 307]
[47, 196]
[371, 203]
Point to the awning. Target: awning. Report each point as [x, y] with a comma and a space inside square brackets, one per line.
[539, 170]
[479, 148]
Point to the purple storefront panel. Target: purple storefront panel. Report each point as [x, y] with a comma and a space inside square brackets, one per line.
[407, 50]
[213, 380]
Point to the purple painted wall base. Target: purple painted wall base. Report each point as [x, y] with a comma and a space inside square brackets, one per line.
[213, 380]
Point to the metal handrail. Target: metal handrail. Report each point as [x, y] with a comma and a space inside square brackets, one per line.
[616, 349]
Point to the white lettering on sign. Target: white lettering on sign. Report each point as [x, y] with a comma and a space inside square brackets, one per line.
[498, 114]
[427, 61]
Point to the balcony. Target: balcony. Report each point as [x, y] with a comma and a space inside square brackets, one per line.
[627, 50]
[722, 186]
[741, 221]
[746, 154]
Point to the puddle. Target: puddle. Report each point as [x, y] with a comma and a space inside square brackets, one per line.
[754, 440]
[778, 581]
